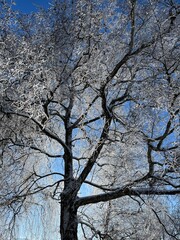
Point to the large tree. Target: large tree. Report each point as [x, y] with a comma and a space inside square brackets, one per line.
[87, 88]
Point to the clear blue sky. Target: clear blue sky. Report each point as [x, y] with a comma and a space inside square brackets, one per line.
[27, 6]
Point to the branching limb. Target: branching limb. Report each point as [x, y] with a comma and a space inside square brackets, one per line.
[121, 192]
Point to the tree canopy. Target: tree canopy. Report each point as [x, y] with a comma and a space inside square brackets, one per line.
[89, 95]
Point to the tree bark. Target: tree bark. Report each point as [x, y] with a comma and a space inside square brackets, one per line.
[69, 221]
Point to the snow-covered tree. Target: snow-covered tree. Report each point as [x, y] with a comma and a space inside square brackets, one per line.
[86, 88]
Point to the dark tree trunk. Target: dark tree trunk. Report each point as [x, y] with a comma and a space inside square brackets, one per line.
[69, 221]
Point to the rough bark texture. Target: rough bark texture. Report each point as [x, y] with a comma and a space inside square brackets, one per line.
[69, 223]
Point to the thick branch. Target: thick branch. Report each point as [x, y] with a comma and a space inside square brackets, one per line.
[121, 192]
[101, 141]
[96, 153]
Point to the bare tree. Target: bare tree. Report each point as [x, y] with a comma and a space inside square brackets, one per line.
[81, 84]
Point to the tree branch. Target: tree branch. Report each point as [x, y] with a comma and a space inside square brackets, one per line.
[121, 192]
[43, 129]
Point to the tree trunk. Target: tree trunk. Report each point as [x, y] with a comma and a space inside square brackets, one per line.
[69, 222]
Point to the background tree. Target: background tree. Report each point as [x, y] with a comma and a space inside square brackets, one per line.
[87, 87]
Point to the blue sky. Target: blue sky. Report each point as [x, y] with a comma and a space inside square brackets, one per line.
[27, 6]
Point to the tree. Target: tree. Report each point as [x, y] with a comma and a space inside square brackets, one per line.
[84, 83]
